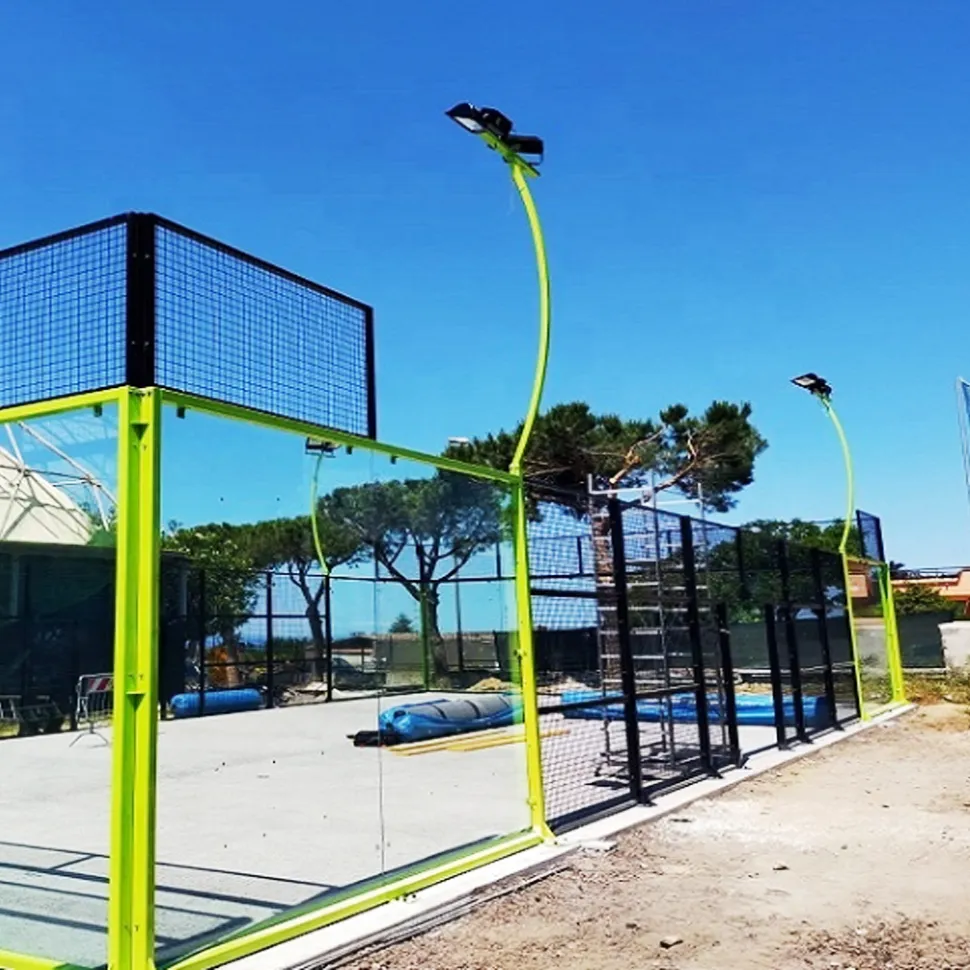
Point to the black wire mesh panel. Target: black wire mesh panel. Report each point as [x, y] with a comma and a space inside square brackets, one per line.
[573, 611]
[235, 329]
[870, 536]
[62, 314]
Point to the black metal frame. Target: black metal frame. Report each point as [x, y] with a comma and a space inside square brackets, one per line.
[574, 577]
[141, 285]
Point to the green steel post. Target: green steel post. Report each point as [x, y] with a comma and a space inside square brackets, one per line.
[844, 545]
[131, 904]
[519, 173]
[849, 474]
[523, 660]
[524, 656]
[892, 635]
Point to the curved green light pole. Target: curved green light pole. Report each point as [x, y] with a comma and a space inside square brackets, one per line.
[849, 473]
[820, 389]
[521, 171]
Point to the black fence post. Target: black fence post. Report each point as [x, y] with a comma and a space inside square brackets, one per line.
[743, 589]
[461, 641]
[696, 645]
[627, 671]
[774, 664]
[791, 640]
[75, 674]
[202, 640]
[823, 637]
[29, 628]
[270, 646]
[328, 634]
[730, 712]
[140, 301]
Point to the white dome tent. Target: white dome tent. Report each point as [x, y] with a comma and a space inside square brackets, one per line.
[46, 495]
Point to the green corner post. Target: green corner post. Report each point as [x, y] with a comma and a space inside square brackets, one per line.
[493, 128]
[131, 895]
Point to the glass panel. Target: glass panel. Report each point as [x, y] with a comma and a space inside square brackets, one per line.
[870, 632]
[453, 762]
[58, 483]
[270, 805]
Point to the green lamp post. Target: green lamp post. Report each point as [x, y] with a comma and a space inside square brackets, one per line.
[496, 131]
[819, 388]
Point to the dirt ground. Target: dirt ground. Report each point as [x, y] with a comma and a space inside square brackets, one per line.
[858, 857]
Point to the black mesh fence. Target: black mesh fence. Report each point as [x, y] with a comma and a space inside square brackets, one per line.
[688, 646]
[284, 645]
[63, 313]
[870, 536]
[574, 621]
[139, 300]
[236, 329]
[839, 634]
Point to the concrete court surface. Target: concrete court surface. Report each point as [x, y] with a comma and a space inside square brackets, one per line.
[257, 813]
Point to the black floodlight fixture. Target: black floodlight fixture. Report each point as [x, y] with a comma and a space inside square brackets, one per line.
[315, 446]
[813, 384]
[495, 129]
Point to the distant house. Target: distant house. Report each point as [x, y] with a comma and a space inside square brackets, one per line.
[952, 584]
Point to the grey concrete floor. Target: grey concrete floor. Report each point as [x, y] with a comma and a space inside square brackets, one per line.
[264, 811]
[257, 813]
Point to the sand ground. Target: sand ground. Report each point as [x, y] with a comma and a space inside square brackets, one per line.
[858, 858]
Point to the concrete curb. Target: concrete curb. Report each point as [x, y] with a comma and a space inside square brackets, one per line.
[405, 918]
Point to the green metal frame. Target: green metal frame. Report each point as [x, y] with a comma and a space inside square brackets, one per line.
[131, 905]
[521, 171]
[131, 909]
[33, 412]
[362, 899]
[255, 939]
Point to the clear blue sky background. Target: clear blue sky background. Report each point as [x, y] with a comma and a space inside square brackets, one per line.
[734, 193]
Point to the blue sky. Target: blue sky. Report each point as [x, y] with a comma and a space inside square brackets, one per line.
[734, 193]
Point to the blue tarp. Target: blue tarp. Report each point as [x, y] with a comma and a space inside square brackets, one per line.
[440, 718]
[217, 702]
[752, 709]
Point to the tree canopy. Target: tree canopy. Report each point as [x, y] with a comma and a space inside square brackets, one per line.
[762, 577]
[709, 457]
[287, 545]
[231, 581]
[422, 532]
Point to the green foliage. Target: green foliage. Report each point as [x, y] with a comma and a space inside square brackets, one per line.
[288, 545]
[710, 455]
[921, 598]
[811, 535]
[402, 624]
[231, 581]
[104, 530]
[443, 521]
[760, 556]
